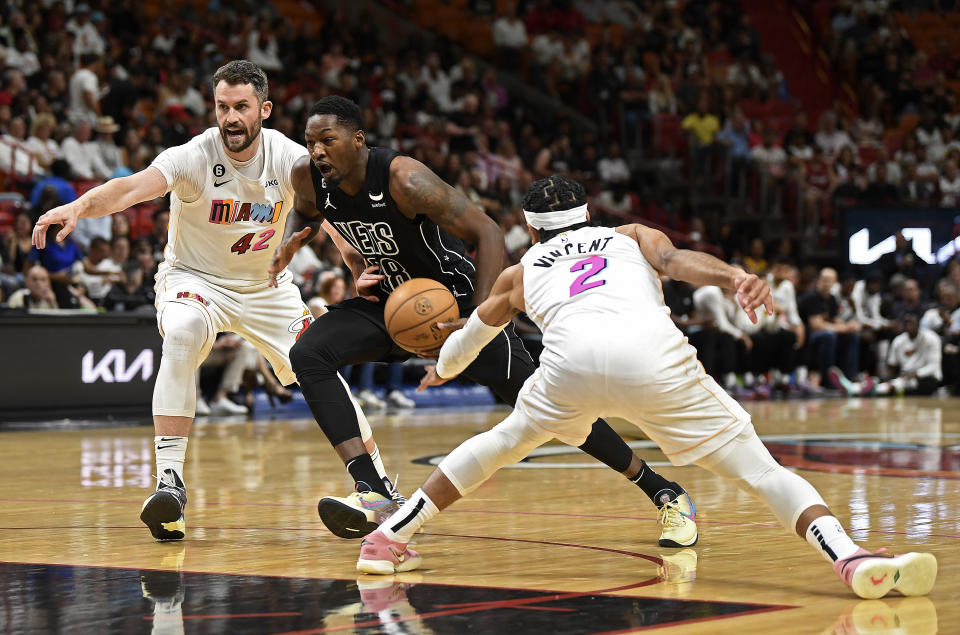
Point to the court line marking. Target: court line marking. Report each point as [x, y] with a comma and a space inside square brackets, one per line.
[646, 444]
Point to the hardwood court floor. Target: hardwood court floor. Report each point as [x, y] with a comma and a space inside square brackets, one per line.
[890, 469]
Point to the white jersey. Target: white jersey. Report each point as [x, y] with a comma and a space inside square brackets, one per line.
[922, 355]
[590, 270]
[224, 226]
[611, 350]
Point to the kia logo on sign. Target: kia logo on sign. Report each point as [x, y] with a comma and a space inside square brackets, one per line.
[112, 368]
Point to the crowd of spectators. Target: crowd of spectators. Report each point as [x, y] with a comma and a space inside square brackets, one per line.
[95, 91]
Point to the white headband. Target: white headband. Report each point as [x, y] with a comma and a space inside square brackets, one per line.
[556, 220]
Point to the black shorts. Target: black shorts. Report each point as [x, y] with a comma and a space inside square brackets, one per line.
[358, 333]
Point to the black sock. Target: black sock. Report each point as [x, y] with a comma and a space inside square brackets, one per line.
[606, 446]
[659, 489]
[365, 475]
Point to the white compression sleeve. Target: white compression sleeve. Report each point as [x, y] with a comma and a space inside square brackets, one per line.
[187, 339]
[463, 346]
[748, 464]
[476, 459]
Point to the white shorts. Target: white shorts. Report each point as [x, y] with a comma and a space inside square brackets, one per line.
[640, 369]
[269, 318]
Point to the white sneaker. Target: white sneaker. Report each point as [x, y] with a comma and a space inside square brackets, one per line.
[202, 408]
[224, 406]
[370, 399]
[399, 400]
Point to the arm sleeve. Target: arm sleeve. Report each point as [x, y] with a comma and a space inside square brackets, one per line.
[463, 346]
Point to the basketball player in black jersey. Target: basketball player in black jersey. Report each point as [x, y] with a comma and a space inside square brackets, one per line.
[393, 220]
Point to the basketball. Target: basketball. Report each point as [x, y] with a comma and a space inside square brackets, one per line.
[412, 311]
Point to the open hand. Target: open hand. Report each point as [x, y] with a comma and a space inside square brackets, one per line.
[65, 215]
[368, 281]
[285, 253]
[752, 293]
[431, 379]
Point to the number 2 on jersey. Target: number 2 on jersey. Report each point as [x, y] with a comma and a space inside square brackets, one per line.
[593, 266]
[241, 246]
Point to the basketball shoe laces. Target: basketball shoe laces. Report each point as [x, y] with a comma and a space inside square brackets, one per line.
[395, 494]
[671, 516]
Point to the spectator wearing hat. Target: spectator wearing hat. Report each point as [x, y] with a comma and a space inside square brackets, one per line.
[85, 90]
[87, 38]
[82, 154]
[107, 148]
[40, 143]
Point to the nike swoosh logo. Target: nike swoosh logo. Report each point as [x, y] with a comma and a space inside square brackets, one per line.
[166, 439]
[375, 197]
[215, 184]
[876, 582]
[164, 447]
[399, 556]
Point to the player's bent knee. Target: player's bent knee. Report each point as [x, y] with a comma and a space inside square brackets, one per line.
[314, 353]
[748, 464]
[476, 459]
[187, 337]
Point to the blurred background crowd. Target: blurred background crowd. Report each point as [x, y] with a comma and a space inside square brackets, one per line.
[739, 128]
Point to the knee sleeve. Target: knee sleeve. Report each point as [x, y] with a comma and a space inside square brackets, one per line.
[748, 464]
[476, 459]
[187, 338]
[315, 353]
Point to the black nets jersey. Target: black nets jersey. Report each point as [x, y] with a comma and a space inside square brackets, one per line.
[404, 248]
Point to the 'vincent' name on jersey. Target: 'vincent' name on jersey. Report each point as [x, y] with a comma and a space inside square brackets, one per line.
[568, 248]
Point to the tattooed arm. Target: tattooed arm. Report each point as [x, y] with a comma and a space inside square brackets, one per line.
[417, 190]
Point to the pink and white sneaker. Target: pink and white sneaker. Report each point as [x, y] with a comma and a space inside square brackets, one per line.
[873, 575]
[382, 556]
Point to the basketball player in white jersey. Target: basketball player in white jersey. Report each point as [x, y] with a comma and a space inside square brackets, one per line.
[230, 193]
[611, 349]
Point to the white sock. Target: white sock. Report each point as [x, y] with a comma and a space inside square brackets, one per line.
[170, 452]
[826, 535]
[802, 375]
[409, 518]
[378, 463]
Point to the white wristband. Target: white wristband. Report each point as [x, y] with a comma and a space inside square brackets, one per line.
[463, 346]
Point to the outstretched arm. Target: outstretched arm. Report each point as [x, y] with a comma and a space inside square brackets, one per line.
[417, 190]
[111, 197]
[303, 222]
[492, 316]
[700, 269]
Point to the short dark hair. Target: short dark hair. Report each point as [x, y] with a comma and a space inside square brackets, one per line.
[86, 59]
[553, 194]
[240, 72]
[347, 113]
[61, 168]
[131, 267]
[98, 241]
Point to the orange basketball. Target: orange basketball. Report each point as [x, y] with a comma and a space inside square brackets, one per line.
[412, 311]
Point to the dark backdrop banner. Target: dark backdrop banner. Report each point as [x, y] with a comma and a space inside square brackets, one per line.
[869, 233]
[73, 364]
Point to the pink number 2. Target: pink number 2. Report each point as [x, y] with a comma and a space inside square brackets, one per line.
[596, 264]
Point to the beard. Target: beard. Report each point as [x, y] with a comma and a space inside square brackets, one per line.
[249, 135]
